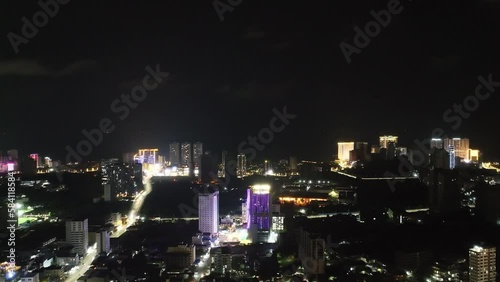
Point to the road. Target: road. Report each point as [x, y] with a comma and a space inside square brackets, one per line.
[134, 211]
[81, 269]
[203, 268]
[136, 207]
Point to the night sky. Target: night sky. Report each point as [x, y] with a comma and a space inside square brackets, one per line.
[227, 76]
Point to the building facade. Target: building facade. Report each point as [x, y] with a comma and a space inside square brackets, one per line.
[241, 166]
[186, 156]
[77, 234]
[175, 154]
[344, 149]
[460, 146]
[386, 139]
[482, 264]
[208, 212]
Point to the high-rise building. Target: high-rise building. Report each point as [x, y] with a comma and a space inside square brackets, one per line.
[391, 150]
[146, 156]
[311, 251]
[161, 159]
[128, 158]
[361, 151]
[101, 238]
[180, 257]
[222, 168]
[186, 157]
[107, 169]
[344, 148]
[452, 152]
[37, 159]
[460, 145]
[209, 167]
[119, 177]
[474, 155]
[109, 195]
[197, 153]
[267, 167]
[294, 168]
[385, 140]
[259, 207]
[48, 162]
[444, 191]
[241, 166]
[175, 154]
[440, 159]
[208, 212]
[223, 260]
[482, 264]
[437, 143]
[77, 234]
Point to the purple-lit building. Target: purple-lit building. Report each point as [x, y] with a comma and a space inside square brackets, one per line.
[258, 207]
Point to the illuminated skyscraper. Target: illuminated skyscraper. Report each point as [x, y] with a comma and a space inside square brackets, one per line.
[175, 156]
[241, 166]
[119, 177]
[344, 148]
[258, 207]
[208, 210]
[482, 264]
[451, 150]
[385, 140]
[161, 159]
[146, 156]
[37, 159]
[460, 145]
[474, 155]
[186, 157]
[48, 162]
[267, 167]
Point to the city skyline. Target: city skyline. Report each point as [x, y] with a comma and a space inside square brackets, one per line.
[233, 140]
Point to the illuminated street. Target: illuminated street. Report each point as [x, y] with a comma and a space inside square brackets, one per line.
[203, 268]
[80, 270]
[136, 207]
